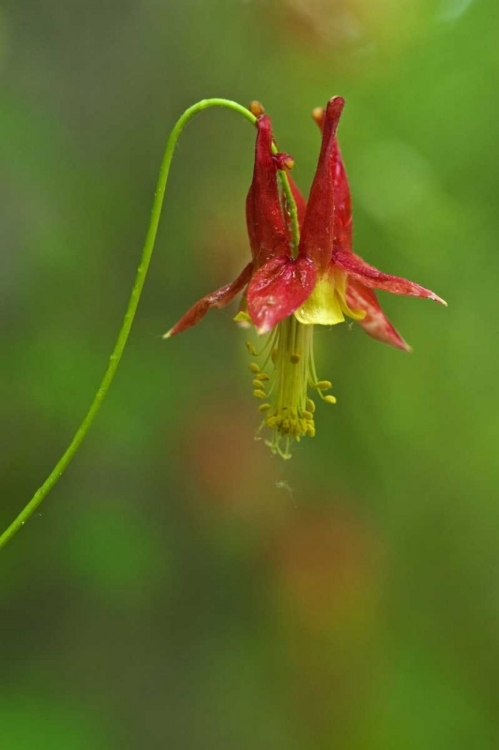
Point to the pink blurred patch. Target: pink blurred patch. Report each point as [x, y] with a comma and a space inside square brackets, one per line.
[327, 565]
[351, 32]
[236, 479]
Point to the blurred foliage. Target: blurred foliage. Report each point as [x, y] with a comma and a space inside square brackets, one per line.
[181, 587]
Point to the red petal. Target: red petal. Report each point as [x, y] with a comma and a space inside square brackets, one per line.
[266, 226]
[220, 298]
[278, 289]
[318, 226]
[371, 277]
[342, 218]
[375, 323]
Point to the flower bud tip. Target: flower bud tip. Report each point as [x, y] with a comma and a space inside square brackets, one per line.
[256, 108]
[318, 115]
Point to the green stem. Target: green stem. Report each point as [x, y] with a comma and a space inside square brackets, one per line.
[133, 303]
[290, 205]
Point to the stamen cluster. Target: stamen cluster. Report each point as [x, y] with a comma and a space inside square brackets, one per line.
[288, 410]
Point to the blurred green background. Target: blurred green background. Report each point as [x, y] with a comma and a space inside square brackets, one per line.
[181, 587]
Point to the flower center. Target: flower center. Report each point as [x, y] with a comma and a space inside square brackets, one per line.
[283, 383]
[327, 305]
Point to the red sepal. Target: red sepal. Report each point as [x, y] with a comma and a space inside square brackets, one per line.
[278, 289]
[342, 218]
[370, 276]
[220, 298]
[342, 202]
[375, 323]
[318, 226]
[266, 227]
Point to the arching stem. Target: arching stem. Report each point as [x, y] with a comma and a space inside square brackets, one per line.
[133, 302]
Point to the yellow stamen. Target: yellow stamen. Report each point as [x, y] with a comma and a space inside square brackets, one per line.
[329, 399]
[260, 394]
[289, 412]
[310, 405]
[323, 385]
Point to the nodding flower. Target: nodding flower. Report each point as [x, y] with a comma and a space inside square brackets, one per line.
[303, 272]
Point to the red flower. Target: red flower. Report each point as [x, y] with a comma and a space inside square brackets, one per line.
[293, 284]
[279, 282]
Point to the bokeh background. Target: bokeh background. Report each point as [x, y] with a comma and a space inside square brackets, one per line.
[181, 587]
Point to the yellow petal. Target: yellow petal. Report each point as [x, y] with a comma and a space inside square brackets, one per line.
[323, 307]
[327, 305]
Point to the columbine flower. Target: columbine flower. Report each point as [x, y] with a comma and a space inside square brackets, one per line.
[294, 283]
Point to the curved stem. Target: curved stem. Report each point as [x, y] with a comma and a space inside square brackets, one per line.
[133, 302]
